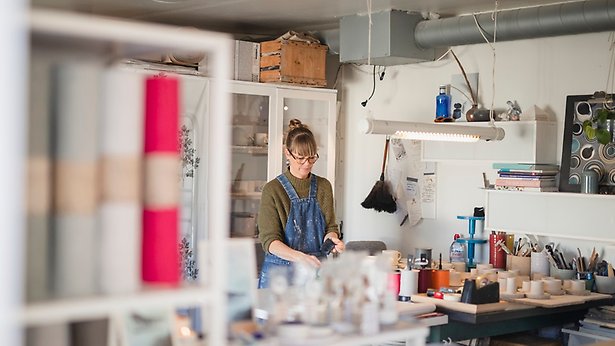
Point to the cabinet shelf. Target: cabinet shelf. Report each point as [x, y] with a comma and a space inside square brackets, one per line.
[557, 214]
[246, 195]
[253, 150]
[79, 309]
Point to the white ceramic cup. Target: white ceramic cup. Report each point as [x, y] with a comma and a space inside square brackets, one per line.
[552, 285]
[261, 139]
[577, 285]
[537, 287]
[511, 285]
[459, 266]
[502, 282]
[394, 256]
[526, 286]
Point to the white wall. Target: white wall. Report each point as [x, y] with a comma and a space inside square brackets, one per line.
[538, 71]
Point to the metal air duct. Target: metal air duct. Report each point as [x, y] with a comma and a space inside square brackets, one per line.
[531, 22]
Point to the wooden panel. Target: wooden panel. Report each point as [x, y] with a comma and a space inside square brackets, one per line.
[303, 60]
[298, 63]
[270, 60]
[563, 300]
[270, 76]
[270, 46]
[461, 307]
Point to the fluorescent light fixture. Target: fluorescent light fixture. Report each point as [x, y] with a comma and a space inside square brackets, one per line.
[433, 132]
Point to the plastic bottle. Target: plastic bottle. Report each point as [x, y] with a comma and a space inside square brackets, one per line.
[458, 250]
[443, 104]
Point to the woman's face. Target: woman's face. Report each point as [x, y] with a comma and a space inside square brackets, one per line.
[300, 166]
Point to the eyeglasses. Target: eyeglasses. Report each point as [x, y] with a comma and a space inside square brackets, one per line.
[302, 160]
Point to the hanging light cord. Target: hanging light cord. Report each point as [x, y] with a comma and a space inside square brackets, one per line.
[364, 103]
[610, 80]
[369, 31]
[494, 17]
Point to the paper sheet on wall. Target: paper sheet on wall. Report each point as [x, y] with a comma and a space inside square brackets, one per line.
[404, 171]
[428, 191]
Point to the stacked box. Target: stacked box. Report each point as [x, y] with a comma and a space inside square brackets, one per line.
[246, 61]
[293, 62]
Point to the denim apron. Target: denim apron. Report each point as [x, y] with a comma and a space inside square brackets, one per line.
[304, 231]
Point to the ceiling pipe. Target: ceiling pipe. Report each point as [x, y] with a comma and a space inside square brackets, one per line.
[524, 23]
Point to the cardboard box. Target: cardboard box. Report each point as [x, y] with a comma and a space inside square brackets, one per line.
[293, 62]
[246, 61]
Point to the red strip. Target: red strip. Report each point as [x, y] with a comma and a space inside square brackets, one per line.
[160, 252]
[161, 114]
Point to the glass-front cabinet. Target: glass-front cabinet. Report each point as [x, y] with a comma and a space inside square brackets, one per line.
[261, 113]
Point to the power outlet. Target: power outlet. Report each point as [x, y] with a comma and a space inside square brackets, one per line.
[460, 93]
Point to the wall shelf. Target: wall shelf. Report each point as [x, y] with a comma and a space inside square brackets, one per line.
[525, 141]
[557, 214]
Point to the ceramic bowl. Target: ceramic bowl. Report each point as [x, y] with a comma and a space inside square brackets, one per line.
[605, 284]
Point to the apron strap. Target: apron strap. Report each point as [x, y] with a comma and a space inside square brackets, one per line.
[288, 187]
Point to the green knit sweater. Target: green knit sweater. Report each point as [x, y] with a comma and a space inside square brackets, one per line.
[275, 206]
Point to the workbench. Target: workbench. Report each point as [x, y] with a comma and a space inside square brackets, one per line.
[516, 318]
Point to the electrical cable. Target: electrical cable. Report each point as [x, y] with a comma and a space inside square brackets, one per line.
[337, 74]
[461, 92]
[381, 73]
[608, 102]
[364, 103]
[369, 31]
[494, 17]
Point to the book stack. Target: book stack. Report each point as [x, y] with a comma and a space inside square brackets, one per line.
[539, 177]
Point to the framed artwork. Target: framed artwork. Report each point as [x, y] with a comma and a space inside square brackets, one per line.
[582, 151]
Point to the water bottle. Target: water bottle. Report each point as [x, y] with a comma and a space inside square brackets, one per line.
[458, 250]
[443, 104]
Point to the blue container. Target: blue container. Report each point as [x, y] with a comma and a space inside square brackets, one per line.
[443, 104]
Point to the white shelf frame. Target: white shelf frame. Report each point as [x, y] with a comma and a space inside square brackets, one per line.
[119, 37]
[80, 309]
[524, 141]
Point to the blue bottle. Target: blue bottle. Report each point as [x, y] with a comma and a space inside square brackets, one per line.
[443, 105]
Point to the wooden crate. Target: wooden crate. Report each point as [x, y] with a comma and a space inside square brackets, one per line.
[293, 62]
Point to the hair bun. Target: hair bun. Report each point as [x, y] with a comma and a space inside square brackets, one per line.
[295, 123]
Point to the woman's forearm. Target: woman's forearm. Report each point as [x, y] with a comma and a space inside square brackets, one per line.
[285, 252]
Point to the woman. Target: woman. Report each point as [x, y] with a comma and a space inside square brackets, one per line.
[296, 212]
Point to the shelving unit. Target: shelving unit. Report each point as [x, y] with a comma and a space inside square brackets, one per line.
[558, 214]
[525, 141]
[75, 34]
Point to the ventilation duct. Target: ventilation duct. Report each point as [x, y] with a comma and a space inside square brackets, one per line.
[400, 38]
[531, 22]
[392, 39]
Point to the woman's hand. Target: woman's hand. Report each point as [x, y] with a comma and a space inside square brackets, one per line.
[309, 260]
[339, 245]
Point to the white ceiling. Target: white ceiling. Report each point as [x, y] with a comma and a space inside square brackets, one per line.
[270, 17]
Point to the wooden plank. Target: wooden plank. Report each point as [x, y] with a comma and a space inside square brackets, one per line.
[304, 80]
[563, 300]
[303, 60]
[461, 307]
[270, 76]
[270, 60]
[270, 46]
